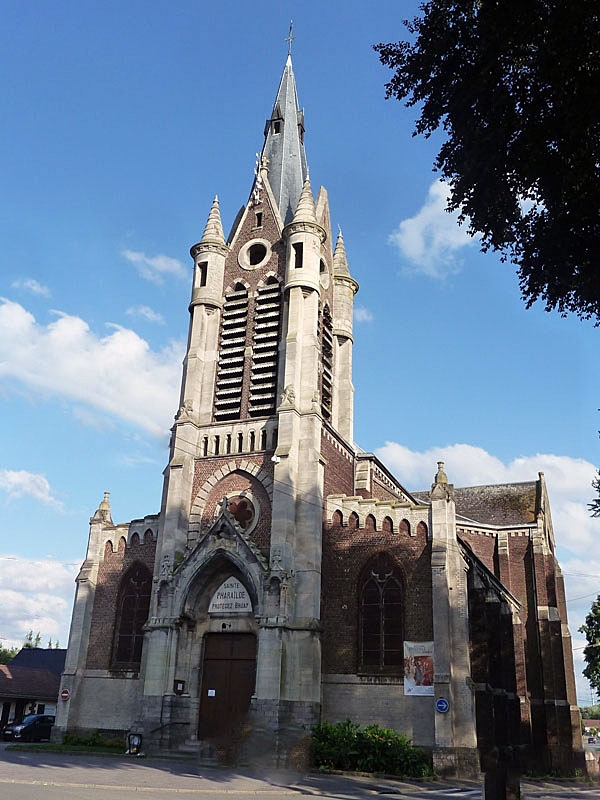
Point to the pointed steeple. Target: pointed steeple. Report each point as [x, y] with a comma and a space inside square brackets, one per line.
[213, 232]
[305, 210]
[340, 260]
[284, 145]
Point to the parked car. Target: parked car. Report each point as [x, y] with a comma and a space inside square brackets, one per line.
[32, 728]
[591, 740]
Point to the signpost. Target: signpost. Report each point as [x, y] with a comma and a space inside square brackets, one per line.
[442, 705]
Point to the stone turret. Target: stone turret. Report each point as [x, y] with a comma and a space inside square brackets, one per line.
[209, 261]
[304, 237]
[344, 289]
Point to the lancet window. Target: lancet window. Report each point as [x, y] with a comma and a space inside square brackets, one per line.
[381, 613]
[132, 612]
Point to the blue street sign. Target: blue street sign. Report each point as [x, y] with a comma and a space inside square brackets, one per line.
[442, 705]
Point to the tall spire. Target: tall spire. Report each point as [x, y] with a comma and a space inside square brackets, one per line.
[284, 145]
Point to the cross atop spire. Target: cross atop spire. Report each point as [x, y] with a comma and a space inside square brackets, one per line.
[290, 37]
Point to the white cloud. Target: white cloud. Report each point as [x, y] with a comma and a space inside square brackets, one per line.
[156, 268]
[569, 486]
[35, 595]
[136, 460]
[91, 419]
[362, 314]
[19, 483]
[31, 285]
[430, 240]
[118, 374]
[147, 313]
[466, 465]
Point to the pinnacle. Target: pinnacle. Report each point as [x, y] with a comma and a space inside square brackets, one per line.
[105, 503]
[340, 260]
[213, 232]
[441, 476]
[103, 511]
[305, 210]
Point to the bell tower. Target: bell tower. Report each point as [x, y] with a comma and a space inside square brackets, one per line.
[266, 372]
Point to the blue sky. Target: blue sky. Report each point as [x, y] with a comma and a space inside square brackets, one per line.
[120, 122]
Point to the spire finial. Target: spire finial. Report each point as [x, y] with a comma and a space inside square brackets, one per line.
[305, 210]
[340, 261]
[290, 37]
[213, 232]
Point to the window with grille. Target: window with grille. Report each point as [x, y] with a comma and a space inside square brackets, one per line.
[132, 612]
[381, 629]
[326, 335]
[265, 350]
[230, 371]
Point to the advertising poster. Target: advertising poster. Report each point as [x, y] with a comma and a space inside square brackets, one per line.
[418, 668]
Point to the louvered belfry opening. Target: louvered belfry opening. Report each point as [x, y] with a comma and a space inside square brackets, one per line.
[327, 362]
[230, 372]
[265, 350]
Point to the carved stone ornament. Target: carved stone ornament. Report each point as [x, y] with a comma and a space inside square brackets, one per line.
[186, 410]
[288, 396]
[165, 569]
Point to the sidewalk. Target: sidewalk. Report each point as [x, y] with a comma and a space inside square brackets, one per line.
[173, 777]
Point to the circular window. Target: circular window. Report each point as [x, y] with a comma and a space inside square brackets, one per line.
[254, 254]
[243, 509]
[257, 253]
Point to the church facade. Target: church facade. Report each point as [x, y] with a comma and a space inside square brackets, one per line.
[289, 576]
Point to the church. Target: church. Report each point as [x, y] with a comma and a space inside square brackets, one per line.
[290, 578]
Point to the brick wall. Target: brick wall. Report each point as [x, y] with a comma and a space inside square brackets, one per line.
[111, 570]
[234, 483]
[345, 554]
[339, 469]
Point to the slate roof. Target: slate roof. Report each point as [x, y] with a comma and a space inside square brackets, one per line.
[285, 150]
[29, 683]
[500, 504]
[51, 659]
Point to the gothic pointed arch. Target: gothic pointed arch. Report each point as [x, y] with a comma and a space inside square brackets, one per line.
[229, 476]
[381, 615]
[220, 565]
[133, 604]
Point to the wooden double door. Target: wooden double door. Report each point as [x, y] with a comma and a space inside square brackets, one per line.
[228, 678]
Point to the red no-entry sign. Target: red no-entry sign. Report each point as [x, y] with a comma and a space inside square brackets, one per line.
[65, 694]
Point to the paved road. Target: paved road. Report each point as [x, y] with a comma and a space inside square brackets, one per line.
[31, 775]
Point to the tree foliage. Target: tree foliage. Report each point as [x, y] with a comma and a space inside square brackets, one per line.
[514, 86]
[7, 654]
[32, 639]
[594, 506]
[591, 653]
[590, 712]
